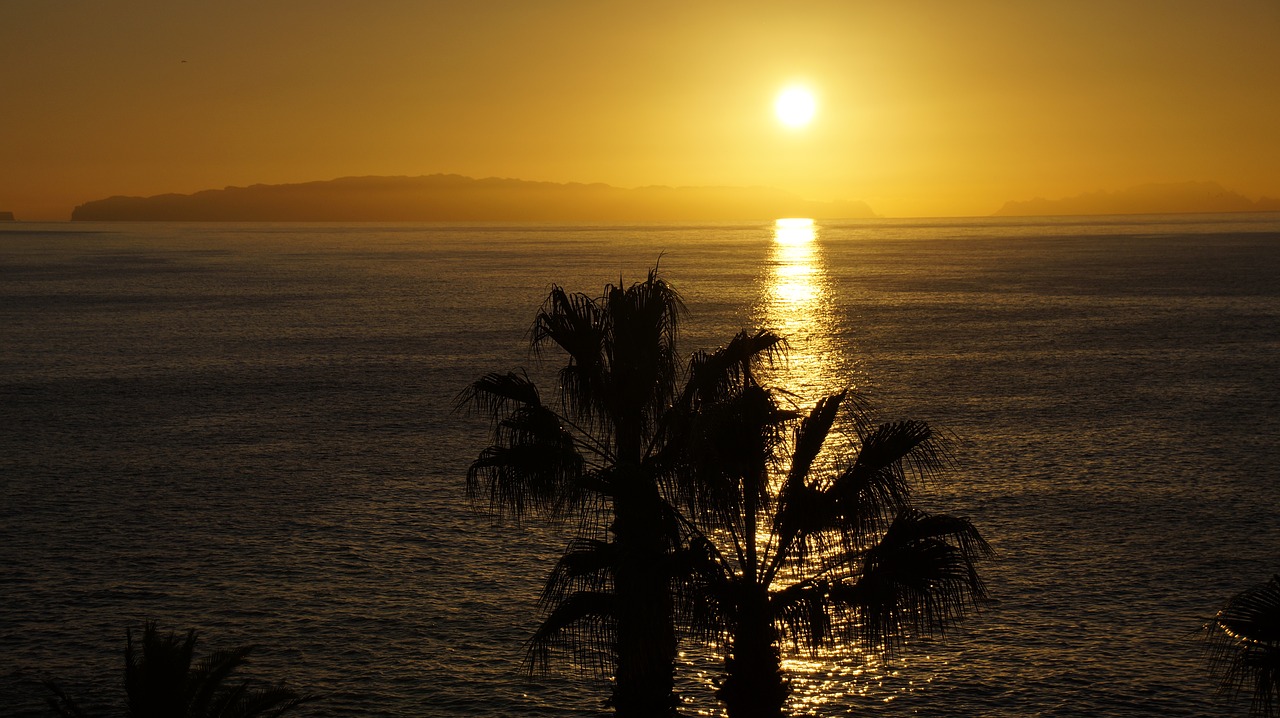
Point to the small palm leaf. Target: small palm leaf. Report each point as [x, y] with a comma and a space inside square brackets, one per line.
[705, 589]
[62, 704]
[160, 682]
[270, 702]
[1245, 646]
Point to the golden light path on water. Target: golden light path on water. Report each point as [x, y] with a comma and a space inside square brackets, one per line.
[797, 301]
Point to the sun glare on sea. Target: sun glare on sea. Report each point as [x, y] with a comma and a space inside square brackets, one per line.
[797, 302]
[795, 106]
[793, 230]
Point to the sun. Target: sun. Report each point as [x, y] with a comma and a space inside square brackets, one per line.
[795, 106]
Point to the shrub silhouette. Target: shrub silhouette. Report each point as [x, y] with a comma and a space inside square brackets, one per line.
[162, 680]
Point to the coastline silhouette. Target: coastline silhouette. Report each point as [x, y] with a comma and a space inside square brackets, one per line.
[447, 197]
[1155, 198]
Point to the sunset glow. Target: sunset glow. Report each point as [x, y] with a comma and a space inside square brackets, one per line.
[976, 107]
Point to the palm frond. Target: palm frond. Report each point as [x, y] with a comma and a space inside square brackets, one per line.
[642, 328]
[803, 509]
[225, 703]
[1244, 640]
[571, 321]
[575, 323]
[534, 464]
[586, 565]
[648, 312]
[920, 578]
[581, 625]
[716, 444]
[727, 451]
[621, 350]
[811, 436]
[704, 587]
[715, 375]
[161, 682]
[802, 613]
[208, 678]
[496, 394]
[62, 704]
[269, 702]
[878, 482]
[805, 525]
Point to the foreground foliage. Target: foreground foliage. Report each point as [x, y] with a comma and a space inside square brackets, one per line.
[1244, 641]
[162, 680]
[592, 456]
[789, 541]
[686, 526]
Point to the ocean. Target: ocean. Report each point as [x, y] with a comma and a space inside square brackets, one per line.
[249, 429]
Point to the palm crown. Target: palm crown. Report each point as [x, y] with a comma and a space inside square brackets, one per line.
[593, 455]
[814, 548]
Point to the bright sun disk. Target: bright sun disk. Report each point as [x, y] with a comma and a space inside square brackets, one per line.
[795, 106]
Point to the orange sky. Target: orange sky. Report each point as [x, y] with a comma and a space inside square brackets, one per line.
[926, 108]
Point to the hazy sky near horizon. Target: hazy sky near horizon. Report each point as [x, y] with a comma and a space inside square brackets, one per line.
[925, 107]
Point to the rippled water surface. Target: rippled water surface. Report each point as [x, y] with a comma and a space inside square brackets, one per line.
[249, 429]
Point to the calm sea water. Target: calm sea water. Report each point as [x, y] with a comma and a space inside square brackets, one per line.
[248, 429]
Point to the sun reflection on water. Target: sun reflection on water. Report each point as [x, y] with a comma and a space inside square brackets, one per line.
[797, 303]
[798, 300]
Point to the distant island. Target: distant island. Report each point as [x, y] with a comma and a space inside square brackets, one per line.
[1171, 198]
[448, 197]
[6, 217]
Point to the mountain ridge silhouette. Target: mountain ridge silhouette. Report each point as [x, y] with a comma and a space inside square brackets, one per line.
[1151, 198]
[452, 197]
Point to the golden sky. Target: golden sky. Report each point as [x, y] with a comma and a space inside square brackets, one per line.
[925, 107]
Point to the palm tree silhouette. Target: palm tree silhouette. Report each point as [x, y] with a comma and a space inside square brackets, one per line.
[829, 549]
[1245, 646]
[680, 521]
[596, 456]
[161, 682]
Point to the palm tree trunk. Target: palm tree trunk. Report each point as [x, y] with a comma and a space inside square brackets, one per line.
[754, 687]
[646, 641]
